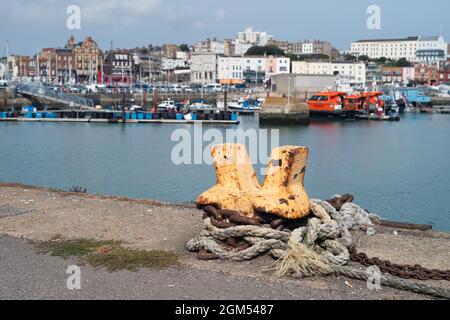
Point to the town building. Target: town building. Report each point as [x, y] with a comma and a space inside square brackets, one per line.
[210, 45]
[229, 47]
[285, 46]
[147, 64]
[204, 68]
[374, 74]
[352, 72]
[87, 58]
[118, 67]
[426, 73]
[431, 49]
[388, 48]
[417, 49]
[401, 75]
[255, 38]
[444, 72]
[169, 51]
[232, 70]
[316, 47]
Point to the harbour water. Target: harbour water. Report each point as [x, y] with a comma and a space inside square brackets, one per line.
[400, 170]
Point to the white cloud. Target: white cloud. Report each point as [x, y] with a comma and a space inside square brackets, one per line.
[110, 12]
[117, 11]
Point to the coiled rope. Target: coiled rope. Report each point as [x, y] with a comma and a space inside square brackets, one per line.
[321, 247]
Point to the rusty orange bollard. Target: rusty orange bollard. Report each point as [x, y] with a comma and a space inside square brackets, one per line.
[283, 193]
[238, 188]
[237, 184]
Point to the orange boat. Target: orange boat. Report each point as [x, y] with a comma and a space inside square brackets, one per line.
[335, 103]
[326, 103]
[354, 102]
[373, 101]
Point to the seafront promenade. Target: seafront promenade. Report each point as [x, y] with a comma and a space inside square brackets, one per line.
[31, 215]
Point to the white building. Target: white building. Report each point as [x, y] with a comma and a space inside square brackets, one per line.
[234, 69]
[307, 48]
[354, 72]
[388, 48]
[204, 68]
[230, 68]
[172, 64]
[256, 38]
[3, 70]
[431, 49]
[213, 46]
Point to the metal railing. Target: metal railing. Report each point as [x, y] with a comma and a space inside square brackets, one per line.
[45, 92]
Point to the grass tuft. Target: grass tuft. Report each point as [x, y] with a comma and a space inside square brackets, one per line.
[109, 254]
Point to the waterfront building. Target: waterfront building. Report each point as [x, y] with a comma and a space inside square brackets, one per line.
[65, 69]
[204, 67]
[22, 67]
[118, 67]
[169, 66]
[348, 71]
[87, 58]
[417, 49]
[444, 72]
[431, 49]
[373, 74]
[426, 73]
[388, 48]
[147, 64]
[401, 75]
[233, 70]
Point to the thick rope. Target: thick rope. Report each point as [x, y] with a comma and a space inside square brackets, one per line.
[319, 248]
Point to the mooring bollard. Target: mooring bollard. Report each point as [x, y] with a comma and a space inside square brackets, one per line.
[283, 193]
[238, 188]
[237, 184]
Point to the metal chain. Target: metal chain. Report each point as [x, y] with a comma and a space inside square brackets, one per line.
[402, 271]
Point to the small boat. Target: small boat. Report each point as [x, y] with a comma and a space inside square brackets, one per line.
[167, 104]
[325, 104]
[241, 104]
[199, 104]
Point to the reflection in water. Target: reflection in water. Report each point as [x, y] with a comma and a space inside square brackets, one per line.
[400, 170]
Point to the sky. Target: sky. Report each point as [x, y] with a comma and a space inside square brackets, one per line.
[29, 24]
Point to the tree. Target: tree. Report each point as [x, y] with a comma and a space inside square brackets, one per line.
[350, 57]
[402, 62]
[184, 47]
[363, 58]
[266, 50]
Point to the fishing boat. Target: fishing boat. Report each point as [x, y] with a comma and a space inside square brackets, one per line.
[241, 104]
[167, 104]
[199, 104]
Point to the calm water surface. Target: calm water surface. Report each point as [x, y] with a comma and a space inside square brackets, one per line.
[399, 170]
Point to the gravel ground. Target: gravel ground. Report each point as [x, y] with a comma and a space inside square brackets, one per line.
[38, 214]
[25, 274]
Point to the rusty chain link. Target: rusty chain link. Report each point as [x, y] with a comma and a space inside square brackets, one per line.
[402, 271]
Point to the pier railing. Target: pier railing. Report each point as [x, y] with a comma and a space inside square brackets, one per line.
[37, 91]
